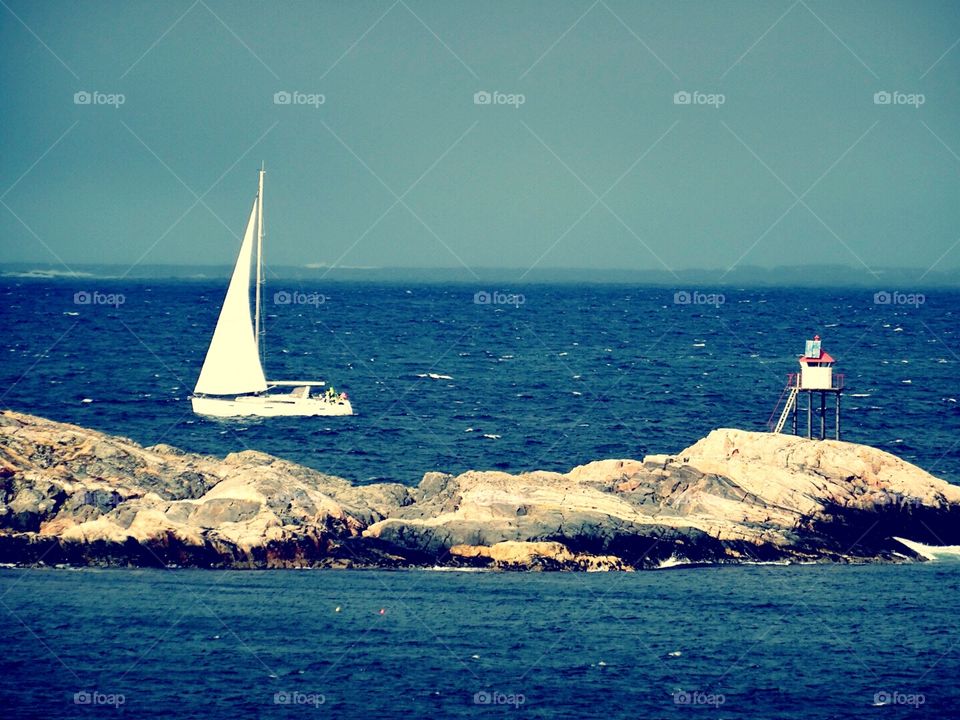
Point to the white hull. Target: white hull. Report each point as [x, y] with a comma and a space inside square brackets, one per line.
[269, 406]
[932, 552]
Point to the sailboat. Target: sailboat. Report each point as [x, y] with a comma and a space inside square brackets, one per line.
[232, 382]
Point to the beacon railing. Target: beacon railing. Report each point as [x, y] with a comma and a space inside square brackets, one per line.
[793, 380]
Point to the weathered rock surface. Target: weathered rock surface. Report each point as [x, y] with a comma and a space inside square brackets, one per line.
[71, 495]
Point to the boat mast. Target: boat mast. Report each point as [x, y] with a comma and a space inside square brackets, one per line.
[256, 331]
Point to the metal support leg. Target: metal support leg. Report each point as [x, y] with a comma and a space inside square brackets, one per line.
[796, 413]
[837, 419]
[823, 415]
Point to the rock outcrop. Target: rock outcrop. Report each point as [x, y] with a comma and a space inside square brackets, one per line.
[76, 496]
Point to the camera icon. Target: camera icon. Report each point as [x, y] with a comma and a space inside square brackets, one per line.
[282, 98]
[681, 97]
[482, 97]
[482, 698]
[282, 297]
[482, 298]
[882, 298]
[681, 297]
[282, 698]
[82, 298]
[682, 698]
[83, 697]
[882, 98]
[882, 698]
[82, 98]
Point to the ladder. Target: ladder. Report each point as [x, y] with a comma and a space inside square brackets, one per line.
[791, 399]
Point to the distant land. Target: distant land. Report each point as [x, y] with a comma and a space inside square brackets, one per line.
[903, 279]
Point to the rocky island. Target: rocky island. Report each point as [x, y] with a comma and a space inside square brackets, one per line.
[74, 496]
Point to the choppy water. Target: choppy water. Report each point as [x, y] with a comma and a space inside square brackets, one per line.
[440, 382]
[738, 642]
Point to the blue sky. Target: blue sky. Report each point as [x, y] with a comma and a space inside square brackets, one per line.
[785, 154]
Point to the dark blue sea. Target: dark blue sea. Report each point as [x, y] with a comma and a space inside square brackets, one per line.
[778, 643]
[542, 376]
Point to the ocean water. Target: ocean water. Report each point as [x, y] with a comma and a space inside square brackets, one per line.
[803, 642]
[441, 382]
[542, 376]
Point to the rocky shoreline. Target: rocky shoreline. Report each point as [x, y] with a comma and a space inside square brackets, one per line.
[78, 497]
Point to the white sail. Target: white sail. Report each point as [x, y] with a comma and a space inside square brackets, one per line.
[232, 365]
